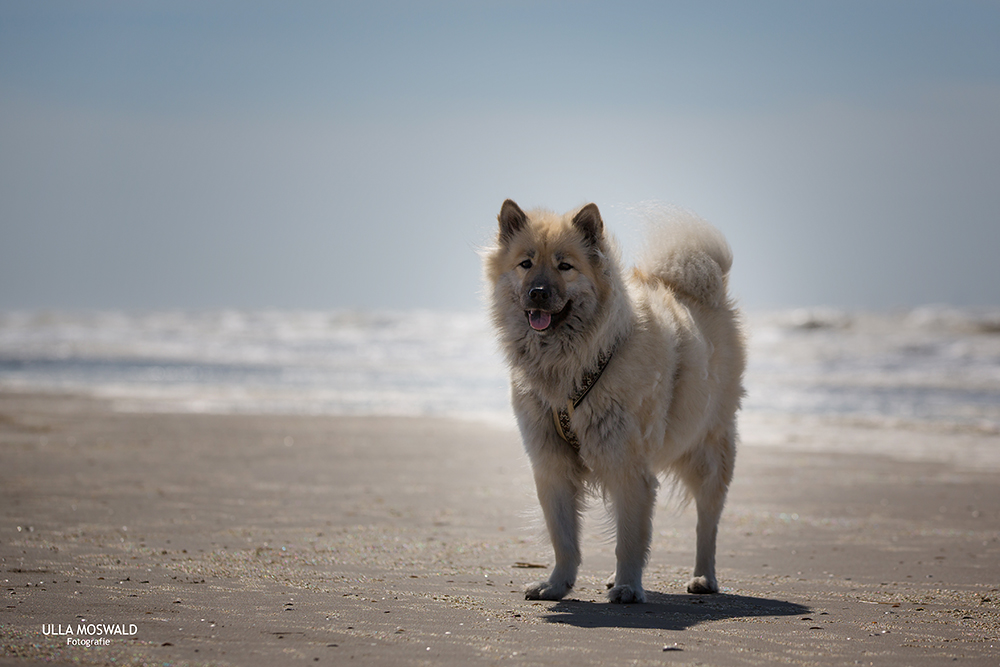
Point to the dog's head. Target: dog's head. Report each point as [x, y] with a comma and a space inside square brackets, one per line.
[546, 269]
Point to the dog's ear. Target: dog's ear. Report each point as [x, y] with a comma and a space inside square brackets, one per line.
[589, 222]
[512, 219]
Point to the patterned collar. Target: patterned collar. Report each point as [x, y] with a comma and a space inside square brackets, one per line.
[562, 415]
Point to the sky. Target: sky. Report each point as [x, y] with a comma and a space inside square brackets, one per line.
[325, 155]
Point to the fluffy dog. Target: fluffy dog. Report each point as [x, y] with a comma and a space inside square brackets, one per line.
[616, 379]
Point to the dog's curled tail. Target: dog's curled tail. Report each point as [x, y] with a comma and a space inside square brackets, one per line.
[686, 253]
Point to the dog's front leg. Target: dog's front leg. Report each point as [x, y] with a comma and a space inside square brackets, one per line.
[559, 484]
[633, 499]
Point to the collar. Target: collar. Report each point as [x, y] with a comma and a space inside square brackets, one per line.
[561, 416]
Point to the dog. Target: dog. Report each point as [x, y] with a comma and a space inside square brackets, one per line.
[618, 379]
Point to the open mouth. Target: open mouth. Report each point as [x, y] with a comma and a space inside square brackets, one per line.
[543, 320]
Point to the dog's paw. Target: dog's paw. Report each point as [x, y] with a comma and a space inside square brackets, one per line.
[703, 585]
[626, 594]
[610, 583]
[546, 590]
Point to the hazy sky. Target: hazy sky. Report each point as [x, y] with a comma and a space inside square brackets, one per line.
[334, 155]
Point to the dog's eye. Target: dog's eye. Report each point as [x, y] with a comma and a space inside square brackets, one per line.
[563, 266]
[526, 264]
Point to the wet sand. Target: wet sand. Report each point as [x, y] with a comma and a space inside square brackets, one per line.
[263, 540]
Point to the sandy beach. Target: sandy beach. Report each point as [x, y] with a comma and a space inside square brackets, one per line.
[267, 540]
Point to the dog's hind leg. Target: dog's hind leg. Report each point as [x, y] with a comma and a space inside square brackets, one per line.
[559, 485]
[632, 500]
[707, 474]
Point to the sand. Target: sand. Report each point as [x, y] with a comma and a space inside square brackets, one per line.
[270, 540]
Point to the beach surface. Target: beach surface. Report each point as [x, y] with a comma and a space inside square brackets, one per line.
[274, 540]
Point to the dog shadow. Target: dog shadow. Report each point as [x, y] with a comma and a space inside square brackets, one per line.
[668, 612]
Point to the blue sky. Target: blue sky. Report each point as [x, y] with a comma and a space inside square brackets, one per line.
[334, 155]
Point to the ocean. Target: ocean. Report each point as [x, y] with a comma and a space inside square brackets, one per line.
[932, 364]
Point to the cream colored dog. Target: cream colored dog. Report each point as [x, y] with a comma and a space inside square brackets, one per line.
[616, 380]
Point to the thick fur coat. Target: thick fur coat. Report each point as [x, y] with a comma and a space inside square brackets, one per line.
[665, 403]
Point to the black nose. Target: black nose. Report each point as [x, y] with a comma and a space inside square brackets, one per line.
[539, 295]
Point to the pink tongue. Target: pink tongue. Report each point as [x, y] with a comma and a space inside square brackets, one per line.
[539, 319]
